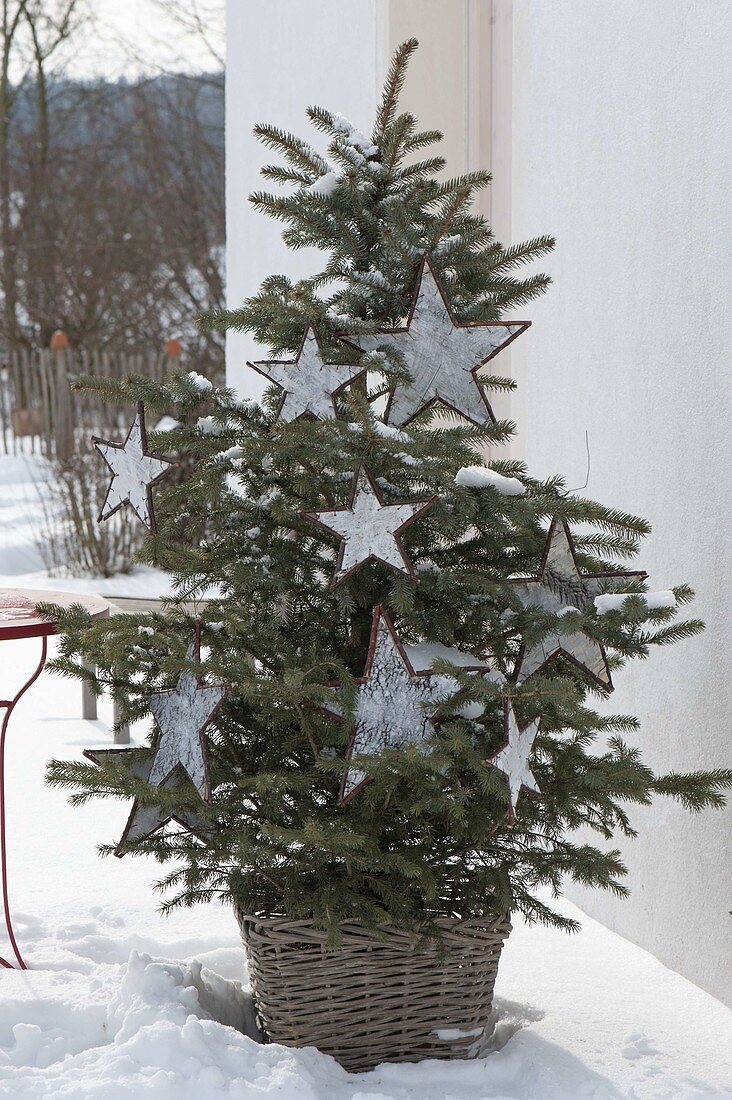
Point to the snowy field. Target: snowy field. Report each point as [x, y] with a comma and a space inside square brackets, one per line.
[121, 1002]
[21, 563]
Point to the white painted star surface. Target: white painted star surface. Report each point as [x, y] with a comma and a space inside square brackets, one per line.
[144, 820]
[559, 588]
[394, 703]
[182, 715]
[134, 472]
[309, 383]
[369, 528]
[441, 354]
[513, 759]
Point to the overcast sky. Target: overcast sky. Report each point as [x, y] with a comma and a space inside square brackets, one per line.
[130, 37]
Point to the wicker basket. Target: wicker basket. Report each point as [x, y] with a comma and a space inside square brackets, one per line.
[377, 998]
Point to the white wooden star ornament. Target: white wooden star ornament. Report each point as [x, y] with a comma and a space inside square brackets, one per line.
[560, 587]
[512, 760]
[310, 385]
[134, 472]
[145, 820]
[182, 715]
[369, 528]
[442, 354]
[394, 701]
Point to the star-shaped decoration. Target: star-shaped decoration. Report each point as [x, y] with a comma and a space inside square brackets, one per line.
[513, 758]
[182, 715]
[369, 528]
[134, 472]
[559, 588]
[394, 699]
[442, 354]
[310, 384]
[144, 820]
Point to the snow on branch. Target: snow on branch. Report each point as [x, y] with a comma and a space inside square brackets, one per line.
[478, 477]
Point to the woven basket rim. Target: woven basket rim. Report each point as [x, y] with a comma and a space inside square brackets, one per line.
[387, 928]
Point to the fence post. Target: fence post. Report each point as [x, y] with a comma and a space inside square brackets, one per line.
[59, 341]
[172, 354]
[36, 399]
[64, 419]
[47, 386]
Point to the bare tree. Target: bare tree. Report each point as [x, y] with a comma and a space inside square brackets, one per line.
[128, 247]
[202, 21]
[111, 198]
[32, 35]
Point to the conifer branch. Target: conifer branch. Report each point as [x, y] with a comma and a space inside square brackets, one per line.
[393, 87]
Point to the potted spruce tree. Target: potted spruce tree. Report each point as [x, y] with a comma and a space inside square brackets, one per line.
[377, 693]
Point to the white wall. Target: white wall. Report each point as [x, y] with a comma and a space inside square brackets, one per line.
[283, 56]
[622, 148]
[606, 125]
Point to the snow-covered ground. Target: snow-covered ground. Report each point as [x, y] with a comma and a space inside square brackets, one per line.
[21, 563]
[123, 1003]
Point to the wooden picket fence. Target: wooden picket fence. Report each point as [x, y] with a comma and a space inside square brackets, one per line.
[38, 408]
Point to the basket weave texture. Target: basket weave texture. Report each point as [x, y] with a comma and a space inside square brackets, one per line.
[378, 998]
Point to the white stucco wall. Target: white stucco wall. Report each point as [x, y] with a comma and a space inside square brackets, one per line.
[606, 125]
[622, 148]
[283, 56]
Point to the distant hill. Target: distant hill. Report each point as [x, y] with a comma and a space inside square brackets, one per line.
[116, 227]
[75, 105]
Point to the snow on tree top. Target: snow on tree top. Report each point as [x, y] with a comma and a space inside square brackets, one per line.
[167, 424]
[446, 243]
[325, 185]
[354, 137]
[199, 382]
[206, 425]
